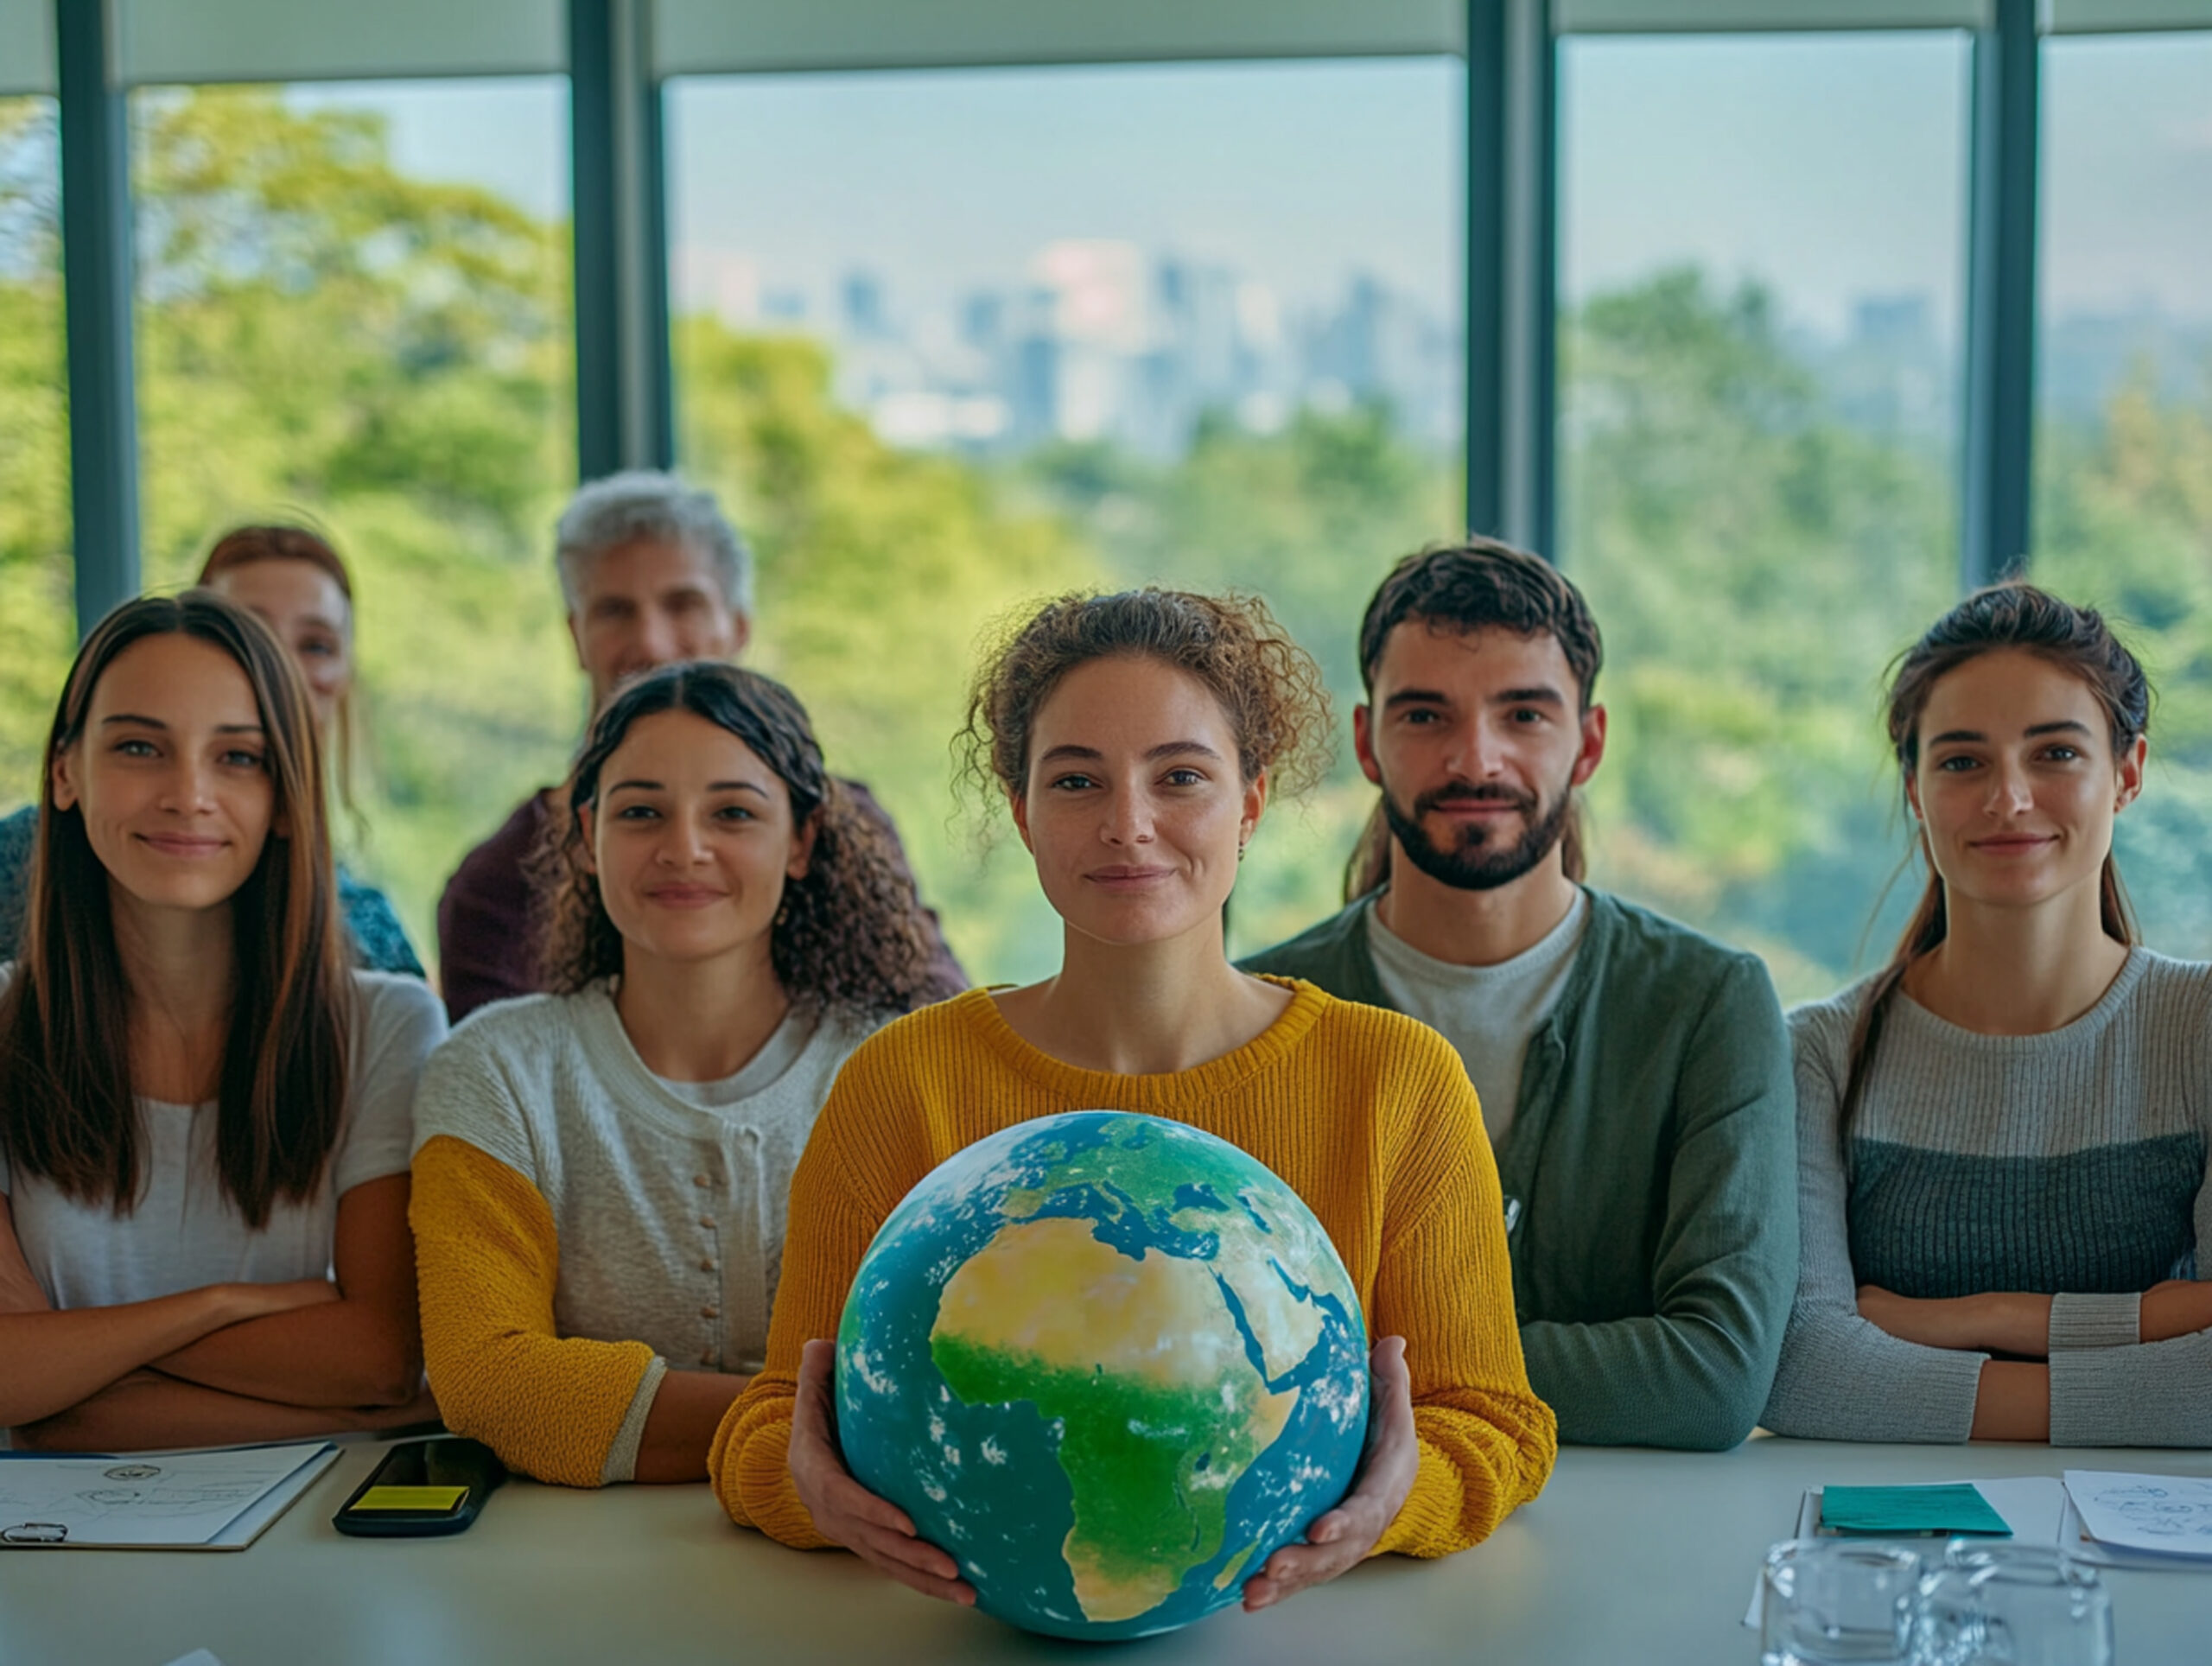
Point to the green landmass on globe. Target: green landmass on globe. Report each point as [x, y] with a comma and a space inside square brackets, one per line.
[1147, 1307]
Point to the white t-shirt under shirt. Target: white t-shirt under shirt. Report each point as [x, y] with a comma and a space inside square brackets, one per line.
[183, 1232]
[1487, 1012]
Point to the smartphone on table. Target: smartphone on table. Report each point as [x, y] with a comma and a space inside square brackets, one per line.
[422, 1488]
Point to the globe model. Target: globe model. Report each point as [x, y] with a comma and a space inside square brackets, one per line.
[1108, 1363]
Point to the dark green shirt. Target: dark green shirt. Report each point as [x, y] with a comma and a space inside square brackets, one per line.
[1650, 1175]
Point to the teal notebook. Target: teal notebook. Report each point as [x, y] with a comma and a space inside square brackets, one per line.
[1891, 1511]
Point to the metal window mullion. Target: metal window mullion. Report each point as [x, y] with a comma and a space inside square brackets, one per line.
[1511, 267]
[1532, 504]
[96, 264]
[1997, 478]
[623, 400]
[654, 349]
[1485, 240]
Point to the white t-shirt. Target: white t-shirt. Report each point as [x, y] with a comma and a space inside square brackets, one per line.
[184, 1232]
[1487, 1012]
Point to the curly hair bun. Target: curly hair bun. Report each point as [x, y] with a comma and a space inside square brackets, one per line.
[1269, 688]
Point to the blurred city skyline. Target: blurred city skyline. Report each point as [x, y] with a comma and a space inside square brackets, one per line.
[1098, 338]
[1106, 251]
[1837, 120]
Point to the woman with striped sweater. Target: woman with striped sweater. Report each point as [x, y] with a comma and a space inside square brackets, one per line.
[2003, 1137]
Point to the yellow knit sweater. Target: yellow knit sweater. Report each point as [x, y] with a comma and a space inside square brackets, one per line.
[1366, 1114]
[487, 1260]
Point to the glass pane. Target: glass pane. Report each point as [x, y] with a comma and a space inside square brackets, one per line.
[2124, 452]
[1011, 332]
[354, 308]
[37, 608]
[1760, 274]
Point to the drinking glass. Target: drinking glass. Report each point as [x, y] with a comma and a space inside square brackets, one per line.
[2012, 1605]
[1838, 1602]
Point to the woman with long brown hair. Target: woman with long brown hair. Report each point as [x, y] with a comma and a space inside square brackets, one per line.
[1136, 739]
[294, 579]
[204, 1112]
[600, 1186]
[2003, 1136]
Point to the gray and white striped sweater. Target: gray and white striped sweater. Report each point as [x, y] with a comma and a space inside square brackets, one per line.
[2072, 1163]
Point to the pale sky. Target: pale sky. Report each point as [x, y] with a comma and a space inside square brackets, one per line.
[1297, 173]
[1829, 167]
[2127, 190]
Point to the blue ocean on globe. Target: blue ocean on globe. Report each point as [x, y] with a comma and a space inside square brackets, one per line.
[1110, 1362]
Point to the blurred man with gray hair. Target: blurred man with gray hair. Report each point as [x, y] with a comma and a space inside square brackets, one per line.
[653, 573]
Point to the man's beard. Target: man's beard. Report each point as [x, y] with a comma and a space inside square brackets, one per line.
[1473, 863]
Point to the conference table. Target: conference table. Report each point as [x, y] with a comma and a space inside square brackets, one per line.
[1631, 1556]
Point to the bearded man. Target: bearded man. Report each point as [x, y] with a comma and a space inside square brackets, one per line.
[1635, 1076]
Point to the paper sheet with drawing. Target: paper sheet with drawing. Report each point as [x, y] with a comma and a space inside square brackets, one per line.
[142, 1499]
[2169, 1514]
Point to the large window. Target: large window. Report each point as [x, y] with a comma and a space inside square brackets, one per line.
[36, 606]
[948, 340]
[1760, 251]
[354, 307]
[2124, 364]
[1008, 332]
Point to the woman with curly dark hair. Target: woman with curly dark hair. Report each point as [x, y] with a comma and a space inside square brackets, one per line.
[601, 1173]
[1137, 738]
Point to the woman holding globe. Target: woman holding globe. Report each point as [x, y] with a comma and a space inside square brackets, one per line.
[1137, 738]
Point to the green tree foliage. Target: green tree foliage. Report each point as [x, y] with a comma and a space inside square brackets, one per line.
[350, 332]
[1757, 563]
[1754, 564]
[2125, 516]
[37, 608]
[321, 335]
[877, 569]
[1312, 517]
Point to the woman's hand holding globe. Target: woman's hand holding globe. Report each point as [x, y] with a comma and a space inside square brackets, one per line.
[873, 1528]
[881, 1533]
[1341, 1538]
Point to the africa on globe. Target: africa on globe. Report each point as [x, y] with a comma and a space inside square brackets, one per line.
[1108, 1362]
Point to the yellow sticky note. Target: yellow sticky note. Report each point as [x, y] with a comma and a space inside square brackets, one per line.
[411, 1497]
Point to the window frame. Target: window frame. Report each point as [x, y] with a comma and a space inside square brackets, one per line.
[618, 53]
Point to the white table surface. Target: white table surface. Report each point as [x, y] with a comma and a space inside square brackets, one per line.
[1630, 1558]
